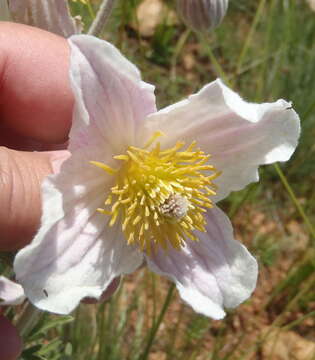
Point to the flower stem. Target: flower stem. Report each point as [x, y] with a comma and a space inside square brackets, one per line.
[28, 320]
[101, 17]
[157, 324]
[178, 49]
[216, 65]
[90, 9]
[250, 35]
[295, 201]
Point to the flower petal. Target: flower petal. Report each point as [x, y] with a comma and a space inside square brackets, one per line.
[240, 136]
[215, 272]
[107, 294]
[11, 293]
[75, 254]
[111, 100]
[53, 16]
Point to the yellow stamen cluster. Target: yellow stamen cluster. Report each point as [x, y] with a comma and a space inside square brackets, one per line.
[160, 195]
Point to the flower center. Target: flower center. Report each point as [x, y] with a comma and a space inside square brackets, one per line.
[160, 195]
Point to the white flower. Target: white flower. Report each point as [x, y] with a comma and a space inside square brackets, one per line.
[11, 293]
[140, 186]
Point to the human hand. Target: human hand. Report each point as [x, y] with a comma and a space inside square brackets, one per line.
[35, 111]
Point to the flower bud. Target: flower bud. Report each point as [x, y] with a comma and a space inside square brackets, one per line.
[202, 15]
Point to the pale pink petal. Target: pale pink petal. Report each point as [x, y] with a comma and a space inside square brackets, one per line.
[11, 293]
[75, 253]
[53, 16]
[111, 100]
[240, 136]
[213, 273]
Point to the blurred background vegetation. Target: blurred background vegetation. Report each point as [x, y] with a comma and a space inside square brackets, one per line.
[265, 50]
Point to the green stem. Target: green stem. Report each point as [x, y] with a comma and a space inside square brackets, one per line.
[157, 324]
[28, 320]
[101, 18]
[298, 321]
[307, 288]
[294, 199]
[178, 49]
[250, 36]
[217, 66]
[90, 9]
[304, 259]
[238, 204]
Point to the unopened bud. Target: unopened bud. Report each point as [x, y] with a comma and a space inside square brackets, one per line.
[202, 15]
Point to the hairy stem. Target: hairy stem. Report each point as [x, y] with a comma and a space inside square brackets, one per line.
[101, 17]
[157, 324]
[28, 320]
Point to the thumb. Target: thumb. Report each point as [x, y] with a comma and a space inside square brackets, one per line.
[10, 341]
[21, 175]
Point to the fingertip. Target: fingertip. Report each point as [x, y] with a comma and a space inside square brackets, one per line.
[11, 344]
[21, 175]
[36, 99]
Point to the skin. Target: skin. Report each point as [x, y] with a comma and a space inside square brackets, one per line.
[10, 342]
[35, 114]
[35, 118]
[35, 111]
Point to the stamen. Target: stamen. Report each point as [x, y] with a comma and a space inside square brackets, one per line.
[105, 167]
[160, 195]
[152, 139]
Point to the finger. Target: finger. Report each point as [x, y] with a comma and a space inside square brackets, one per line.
[35, 99]
[13, 140]
[21, 174]
[10, 341]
